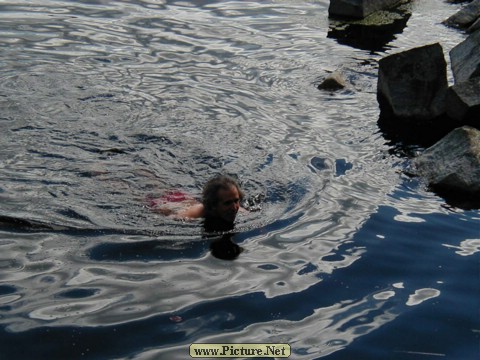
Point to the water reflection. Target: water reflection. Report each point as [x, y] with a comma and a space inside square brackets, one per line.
[467, 247]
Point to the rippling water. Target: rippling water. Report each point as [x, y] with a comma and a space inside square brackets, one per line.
[105, 103]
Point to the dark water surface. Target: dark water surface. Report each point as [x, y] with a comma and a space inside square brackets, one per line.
[104, 103]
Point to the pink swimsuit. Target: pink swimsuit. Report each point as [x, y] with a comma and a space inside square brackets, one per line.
[172, 196]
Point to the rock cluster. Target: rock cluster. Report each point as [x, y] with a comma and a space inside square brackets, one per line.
[412, 87]
[418, 106]
[414, 99]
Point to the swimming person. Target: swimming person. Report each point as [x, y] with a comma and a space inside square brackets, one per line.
[220, 203]
[221, 198]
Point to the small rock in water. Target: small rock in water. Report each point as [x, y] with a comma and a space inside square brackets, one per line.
[334, 81]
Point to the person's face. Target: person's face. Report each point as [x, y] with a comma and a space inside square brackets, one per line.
[228, 204]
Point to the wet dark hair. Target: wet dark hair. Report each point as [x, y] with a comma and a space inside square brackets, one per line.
[211, 188]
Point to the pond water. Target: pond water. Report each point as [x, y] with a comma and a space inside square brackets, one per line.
[106, 103]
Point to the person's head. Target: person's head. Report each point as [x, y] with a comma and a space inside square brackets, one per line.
[221, 198]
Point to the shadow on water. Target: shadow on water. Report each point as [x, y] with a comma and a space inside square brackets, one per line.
[411, 131]
[149, 250]
[15, 224]
[221, 245]
[455, 199]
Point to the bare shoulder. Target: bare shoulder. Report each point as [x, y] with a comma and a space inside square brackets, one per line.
[192, 212]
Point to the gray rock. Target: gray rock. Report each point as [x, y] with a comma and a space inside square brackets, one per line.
[372, 33]
[453, 163]
[334, 81]
[359, 8]
[465, 58]
[475, 26]
[463, 102]
[465, 17]
[413, 84]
